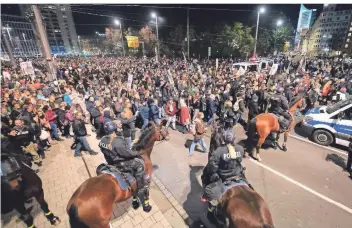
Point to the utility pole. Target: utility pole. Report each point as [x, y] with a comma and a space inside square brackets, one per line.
[143, 48]
[44, 41]
[9, 49]
[188, 33]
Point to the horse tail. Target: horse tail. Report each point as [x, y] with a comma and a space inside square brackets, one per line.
[74, 218]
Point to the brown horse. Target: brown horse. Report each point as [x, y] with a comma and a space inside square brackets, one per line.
[241, 206]
[267, 123]
[91, 205]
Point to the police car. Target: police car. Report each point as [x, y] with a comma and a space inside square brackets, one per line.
[330, 124]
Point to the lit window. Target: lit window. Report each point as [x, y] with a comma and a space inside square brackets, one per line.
[348, 40]
[346, 45]
[349, 34]
[338, 18]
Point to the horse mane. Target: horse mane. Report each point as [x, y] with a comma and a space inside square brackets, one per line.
[144, 138]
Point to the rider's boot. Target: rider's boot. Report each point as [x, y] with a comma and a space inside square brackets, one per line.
[211, 215]
[135, 202]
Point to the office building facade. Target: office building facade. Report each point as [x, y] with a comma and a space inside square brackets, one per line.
[59, 26]
[330, 30]
[305, 20]
[21, 35]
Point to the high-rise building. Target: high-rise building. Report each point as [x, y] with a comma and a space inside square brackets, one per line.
[348, 40]
[305, 20]
[330, 30]
[21, 36]
[59, 26]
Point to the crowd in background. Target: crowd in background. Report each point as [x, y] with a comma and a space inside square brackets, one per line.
[36, 112]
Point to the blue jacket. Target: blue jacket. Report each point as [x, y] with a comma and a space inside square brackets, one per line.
[211, 108]
[154, 112]
[144, 112]
[67, 99]
[90, 105]
[107, 117]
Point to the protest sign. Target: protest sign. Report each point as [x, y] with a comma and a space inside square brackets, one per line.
[129, 81]
[273, 69]
[27, 68]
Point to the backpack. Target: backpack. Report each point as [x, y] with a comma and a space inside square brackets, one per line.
[236, 106]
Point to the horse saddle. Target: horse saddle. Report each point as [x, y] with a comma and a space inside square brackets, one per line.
[125, 180]
[284, 123]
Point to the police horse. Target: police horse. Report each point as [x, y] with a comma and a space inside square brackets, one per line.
[91, 205]
[266, 123]
[19, 183]
[239, 205]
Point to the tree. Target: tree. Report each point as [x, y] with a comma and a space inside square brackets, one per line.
[149, 38]
[281, 35]
[233, 40]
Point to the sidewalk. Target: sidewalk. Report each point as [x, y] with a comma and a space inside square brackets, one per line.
[62, 174]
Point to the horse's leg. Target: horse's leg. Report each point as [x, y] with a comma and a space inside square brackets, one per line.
[25, 215]
[54, 220]
[259, 145]
[146, 204]
[284, 148]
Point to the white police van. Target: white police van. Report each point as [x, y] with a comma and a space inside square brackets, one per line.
[330, 124]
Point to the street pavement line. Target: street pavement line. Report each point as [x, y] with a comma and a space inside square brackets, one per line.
[313, 143]
[340, 205]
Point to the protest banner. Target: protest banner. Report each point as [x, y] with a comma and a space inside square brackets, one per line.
[129, 81]
[27, 68]
[273, 69]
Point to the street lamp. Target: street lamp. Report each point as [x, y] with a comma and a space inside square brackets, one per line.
[278, 23]
[117, 22]
[154, 15]
[261, 10]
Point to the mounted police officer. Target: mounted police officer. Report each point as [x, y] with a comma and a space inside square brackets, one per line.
[117, 153]
[279, 106]
[224, 166]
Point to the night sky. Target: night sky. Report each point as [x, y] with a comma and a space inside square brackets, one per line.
[200, 19]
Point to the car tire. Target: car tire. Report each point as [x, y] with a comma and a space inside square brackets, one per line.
[323, 137]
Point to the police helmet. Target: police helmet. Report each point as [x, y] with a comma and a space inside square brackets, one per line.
[110, 127]
[229, 137]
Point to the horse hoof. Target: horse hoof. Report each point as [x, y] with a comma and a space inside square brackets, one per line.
[147, 208]
[259, 158]
[275, 147]
[135, 205]
[284, 148]
[55, 221]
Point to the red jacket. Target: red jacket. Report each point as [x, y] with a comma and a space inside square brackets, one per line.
[184, 115]
[174, 109]
[50, 116]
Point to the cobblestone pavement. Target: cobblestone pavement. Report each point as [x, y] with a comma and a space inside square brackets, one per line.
[62, 174]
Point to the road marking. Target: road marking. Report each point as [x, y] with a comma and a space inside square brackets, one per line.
[313, 143]
[343, 207]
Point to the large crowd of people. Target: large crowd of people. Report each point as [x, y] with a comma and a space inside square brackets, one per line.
[37, 113]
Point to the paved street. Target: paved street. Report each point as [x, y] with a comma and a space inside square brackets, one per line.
[304, 187]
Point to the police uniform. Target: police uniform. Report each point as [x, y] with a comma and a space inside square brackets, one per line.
[279, 106]
[117, 153]
[221, 167]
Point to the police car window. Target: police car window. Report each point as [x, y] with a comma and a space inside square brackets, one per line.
[347, 114]
[252, 68]
[338, 105]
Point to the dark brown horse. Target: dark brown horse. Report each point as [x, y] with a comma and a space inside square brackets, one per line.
[91, 205]
[240, 206]
[19, 183]
[267, 123]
